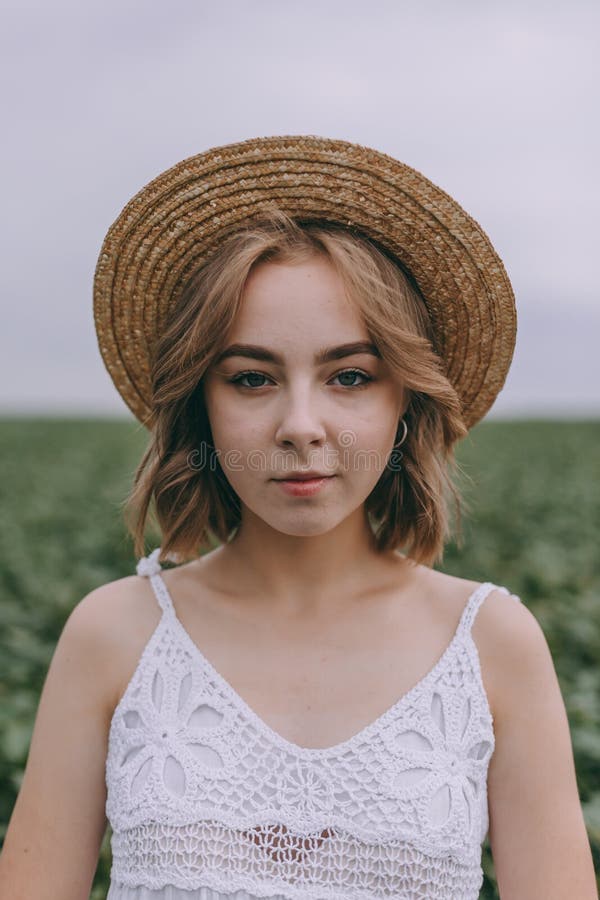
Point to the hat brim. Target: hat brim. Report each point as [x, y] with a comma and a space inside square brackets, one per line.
[174, 224]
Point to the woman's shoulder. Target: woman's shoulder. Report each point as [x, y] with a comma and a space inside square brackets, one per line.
[511, 645]
[513, 651]
[110, 627]
[449, 594]
[498, 611]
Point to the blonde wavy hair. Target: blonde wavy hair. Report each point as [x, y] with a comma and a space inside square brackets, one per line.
[196, 508]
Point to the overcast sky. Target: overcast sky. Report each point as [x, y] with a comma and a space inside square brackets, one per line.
[496, 102]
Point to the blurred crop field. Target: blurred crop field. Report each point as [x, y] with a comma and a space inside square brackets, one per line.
[533, 488]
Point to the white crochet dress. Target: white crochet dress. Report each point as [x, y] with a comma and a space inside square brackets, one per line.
[207, 802]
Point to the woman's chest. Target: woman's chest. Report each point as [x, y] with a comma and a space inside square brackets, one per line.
[183, 743]
[317, 684]
[320, 694]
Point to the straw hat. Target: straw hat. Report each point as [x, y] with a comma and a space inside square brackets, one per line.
[179, 219]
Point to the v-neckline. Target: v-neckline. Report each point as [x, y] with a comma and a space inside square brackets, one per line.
[342, 746]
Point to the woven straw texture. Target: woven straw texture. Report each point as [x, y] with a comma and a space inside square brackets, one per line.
[181, 217]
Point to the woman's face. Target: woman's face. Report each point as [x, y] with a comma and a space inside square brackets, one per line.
[288, 407]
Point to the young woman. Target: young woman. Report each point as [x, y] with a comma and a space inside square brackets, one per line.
[301, 707]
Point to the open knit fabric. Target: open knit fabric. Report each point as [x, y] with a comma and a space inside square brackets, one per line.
[206, 801]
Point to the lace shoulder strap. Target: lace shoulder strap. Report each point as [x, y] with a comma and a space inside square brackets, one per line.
[150, 567]
[477, 598]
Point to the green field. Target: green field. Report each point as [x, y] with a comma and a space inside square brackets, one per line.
[534, 493]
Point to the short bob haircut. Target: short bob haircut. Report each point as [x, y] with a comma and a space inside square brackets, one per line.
[195, 508]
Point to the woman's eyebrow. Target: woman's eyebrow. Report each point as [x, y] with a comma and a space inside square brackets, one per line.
[253, 351]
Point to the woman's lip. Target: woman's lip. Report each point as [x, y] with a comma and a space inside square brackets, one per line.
[302, 487]
[304, 478]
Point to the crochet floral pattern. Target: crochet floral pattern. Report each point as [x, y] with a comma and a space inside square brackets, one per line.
[202, 793]
[162, 734]
[447, 750]
[305, 789]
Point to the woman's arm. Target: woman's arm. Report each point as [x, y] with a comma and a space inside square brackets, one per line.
[537, 831]
[58, 822]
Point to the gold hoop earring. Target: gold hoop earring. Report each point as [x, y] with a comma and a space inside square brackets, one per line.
[403, 436]
[394, 461]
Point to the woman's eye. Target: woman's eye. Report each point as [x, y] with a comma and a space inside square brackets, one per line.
[237, 379]
[352, 373]
[346, 374]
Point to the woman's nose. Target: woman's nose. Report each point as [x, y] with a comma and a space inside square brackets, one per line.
[300, 419]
